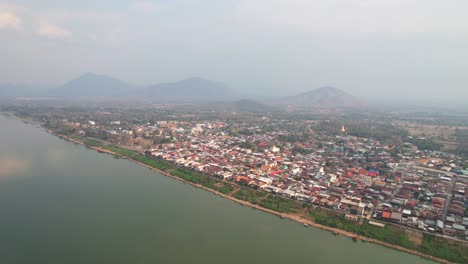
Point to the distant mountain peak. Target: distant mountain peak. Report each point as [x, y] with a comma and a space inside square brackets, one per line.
[92, 75]
[326, 90]
[194, 89]
[323, 97]
[92, 85]
[89, 74]
[195, 79]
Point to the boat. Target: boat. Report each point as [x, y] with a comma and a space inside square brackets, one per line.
[306, 225]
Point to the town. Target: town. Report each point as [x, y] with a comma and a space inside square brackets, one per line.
[317, 162]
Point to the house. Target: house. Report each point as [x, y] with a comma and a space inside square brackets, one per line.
[396, 216]
[386, 215]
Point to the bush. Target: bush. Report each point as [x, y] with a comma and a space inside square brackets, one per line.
[250, 195]
[281, 204]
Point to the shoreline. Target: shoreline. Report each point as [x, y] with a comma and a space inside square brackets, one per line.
[291, 217]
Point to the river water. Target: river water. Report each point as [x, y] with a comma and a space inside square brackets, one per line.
[61, 203]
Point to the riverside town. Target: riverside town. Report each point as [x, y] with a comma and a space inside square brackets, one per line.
[371, 179]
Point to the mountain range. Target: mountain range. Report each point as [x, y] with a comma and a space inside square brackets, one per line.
[92, 86]
[188, 90]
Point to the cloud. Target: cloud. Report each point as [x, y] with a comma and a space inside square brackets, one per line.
[9, 21]
[8, 17]
[145, 7]
[359, 17]
[50, 30]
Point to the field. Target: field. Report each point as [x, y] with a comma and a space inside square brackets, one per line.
[444, 135]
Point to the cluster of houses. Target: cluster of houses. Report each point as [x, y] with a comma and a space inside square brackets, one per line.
[357, 176]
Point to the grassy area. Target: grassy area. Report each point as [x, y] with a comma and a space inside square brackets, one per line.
[389, 233]
[249, 195]
[87, 141]
[441, 248]
[161, 165]
[432, 245]
[225, 188]
[195, 177]
[281, 204]
[91, 142]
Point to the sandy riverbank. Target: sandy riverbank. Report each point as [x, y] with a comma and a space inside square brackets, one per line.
[292, 217]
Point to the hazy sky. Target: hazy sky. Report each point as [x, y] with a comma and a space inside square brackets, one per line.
[366, 47]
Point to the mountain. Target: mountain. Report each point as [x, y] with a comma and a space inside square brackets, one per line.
[92, 86]
[241, 106]
[188, 90]
[323, 97]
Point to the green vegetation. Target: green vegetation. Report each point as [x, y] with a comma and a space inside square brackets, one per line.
[302, 151]
[381, 131]
[441, 248]
[91, 142]
[432, 245]
[161, 140]
[389, 233]
[97, 133]
[298, 137]
[247, 145]
[161, 165]
[425, 144]
[281, 204]
[461, 136]
[225, 188]
[250, 195]
[195, 177]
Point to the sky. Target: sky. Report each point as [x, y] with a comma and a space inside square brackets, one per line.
[398, 49]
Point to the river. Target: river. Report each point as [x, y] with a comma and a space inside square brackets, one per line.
[61, 203]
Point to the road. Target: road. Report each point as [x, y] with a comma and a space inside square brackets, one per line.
[449, 197]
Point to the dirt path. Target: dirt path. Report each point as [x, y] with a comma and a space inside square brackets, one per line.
[236, 189]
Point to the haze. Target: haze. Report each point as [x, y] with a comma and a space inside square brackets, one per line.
[413, 49]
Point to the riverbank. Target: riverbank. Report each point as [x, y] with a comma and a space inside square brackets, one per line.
[293, 217]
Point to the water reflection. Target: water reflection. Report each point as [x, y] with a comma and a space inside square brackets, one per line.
[12, 166]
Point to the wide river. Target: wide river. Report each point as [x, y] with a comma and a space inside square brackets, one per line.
[61, 203]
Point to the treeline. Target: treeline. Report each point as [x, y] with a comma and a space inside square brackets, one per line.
[383, 132]
[297, 137]
[431, 245]
[389, 233]
[461, 136]
[425, 144]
